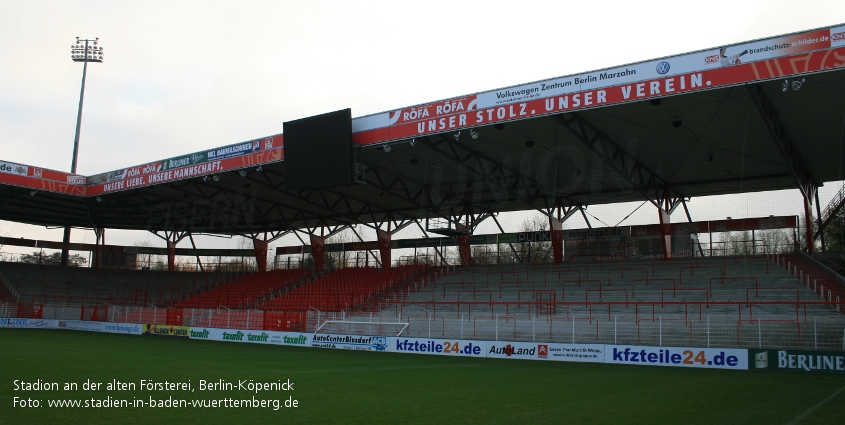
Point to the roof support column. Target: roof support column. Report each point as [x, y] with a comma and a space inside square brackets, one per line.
[464, 250]
[808, 222]
[172, 238]
[557, 239]
[556, 219]
[317, 252]
[384, 247]
[100, 235]
[260, 246]
[464, 246]
[665, 235]
[385, 237]
[65, 249]
[194, 245]
[819, 213]
[171, 255]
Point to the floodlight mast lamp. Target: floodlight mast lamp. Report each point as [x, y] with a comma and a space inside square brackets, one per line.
[82, 51]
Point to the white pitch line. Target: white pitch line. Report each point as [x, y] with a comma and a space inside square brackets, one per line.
[813, 409]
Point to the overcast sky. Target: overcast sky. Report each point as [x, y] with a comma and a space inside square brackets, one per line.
[183, 76]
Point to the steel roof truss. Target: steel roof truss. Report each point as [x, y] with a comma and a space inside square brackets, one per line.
[627, 171]
[784, 143]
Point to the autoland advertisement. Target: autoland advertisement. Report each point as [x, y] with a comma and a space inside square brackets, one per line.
[796, 360]
[593, 353]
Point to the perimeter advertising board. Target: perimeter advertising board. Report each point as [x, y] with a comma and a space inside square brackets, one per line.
[256, 336]
[12, 168]
[350, 342]
[93, 326]
[708, 358]
[231, 157]
[592, 353]
[82, 325]
[122, 328]
[446, 347]
[727, 65]
[239, 149]
[804, 361]
[28, 323]
[165, 330]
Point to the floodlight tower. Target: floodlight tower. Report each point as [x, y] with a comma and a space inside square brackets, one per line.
[82, 51]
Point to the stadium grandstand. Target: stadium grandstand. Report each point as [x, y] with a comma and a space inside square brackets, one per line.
[738, 119]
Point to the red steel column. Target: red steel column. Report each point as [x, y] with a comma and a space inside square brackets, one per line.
[557, 239]
[260, 254]
[665, 220]
[463, 248]
[317, 244]
[171, 256]
[808, 221]
[384, 248]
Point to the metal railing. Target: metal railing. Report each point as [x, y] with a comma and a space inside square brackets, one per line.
[749, 328]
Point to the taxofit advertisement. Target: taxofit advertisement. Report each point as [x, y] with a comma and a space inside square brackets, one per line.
[257, 336]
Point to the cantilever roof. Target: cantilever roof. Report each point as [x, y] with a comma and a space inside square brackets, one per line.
[704, 123]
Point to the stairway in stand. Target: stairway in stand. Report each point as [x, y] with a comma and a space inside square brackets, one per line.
[825, 287]
[6, 296]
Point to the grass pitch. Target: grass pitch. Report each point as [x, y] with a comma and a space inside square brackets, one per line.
[339, 386]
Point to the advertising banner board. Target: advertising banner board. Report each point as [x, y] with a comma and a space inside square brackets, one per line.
[803, 361]
[708, 358]
[28, 323]
[166, 330]
[257, 336]
[349, 342]
[446, 347]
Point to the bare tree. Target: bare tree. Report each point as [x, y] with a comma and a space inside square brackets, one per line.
[147, 260]
[529, 252]
[768, 241]
[339, 259]
[5, 234]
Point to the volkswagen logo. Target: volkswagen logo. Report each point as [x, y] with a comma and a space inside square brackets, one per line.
[663, 67]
